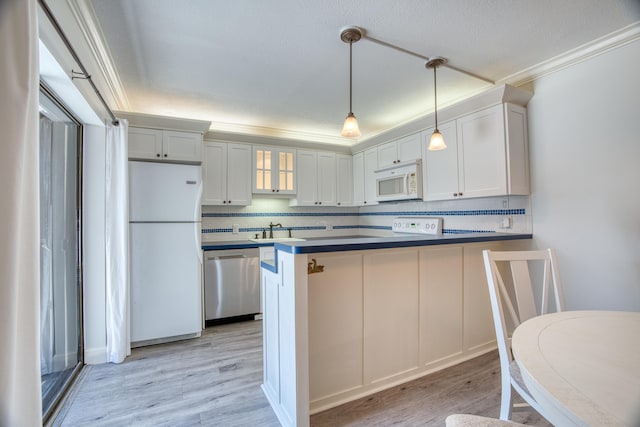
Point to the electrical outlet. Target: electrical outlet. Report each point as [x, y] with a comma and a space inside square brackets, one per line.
[329, 227]
[236, 228]
[506, 222]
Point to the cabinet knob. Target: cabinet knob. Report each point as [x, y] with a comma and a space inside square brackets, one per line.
[459, 194]
[319, 203]
[278, 190]
[165, 155]
[229, 201]
[455, 194]
[158, 155]
[338, 203]
[224, 201]
[273, 190]
[365, 202]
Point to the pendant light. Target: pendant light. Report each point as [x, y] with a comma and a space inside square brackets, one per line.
[437, 141]
[350, 128]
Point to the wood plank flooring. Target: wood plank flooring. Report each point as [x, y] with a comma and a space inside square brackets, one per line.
[215, 381]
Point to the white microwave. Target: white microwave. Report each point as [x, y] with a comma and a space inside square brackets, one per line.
[402, 181]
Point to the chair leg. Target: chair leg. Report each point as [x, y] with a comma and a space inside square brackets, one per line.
[505, 400]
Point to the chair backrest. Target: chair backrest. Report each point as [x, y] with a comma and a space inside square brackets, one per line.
[502, 303]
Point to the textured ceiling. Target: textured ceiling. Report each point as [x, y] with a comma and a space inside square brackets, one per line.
[278, 67]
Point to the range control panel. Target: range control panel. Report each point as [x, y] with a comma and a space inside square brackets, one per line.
[417, 225]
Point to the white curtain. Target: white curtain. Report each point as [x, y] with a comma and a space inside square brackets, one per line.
[117, 243]
[46, 240]
[20, 398]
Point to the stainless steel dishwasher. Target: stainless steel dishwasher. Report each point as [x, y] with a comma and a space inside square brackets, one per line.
[231, 283]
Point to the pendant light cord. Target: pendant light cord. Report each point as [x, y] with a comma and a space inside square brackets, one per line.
[435, 96]
[350, 77]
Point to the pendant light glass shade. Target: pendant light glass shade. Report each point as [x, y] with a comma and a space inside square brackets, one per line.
[350, 128]
[437, 141]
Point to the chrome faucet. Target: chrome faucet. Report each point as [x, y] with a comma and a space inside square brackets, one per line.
[271, 225]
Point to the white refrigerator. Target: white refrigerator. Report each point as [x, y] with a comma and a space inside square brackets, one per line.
[165, 252]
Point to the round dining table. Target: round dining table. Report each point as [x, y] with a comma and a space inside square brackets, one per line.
[582, 367]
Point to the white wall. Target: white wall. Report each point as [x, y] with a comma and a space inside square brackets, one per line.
[584, 143]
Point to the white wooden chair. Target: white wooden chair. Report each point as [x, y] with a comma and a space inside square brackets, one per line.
[518, 288]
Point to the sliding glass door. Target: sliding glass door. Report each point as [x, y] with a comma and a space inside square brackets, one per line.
[61, 352]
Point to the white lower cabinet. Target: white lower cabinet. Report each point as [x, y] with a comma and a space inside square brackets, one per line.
[270, 333]
[479, 331]
[335, 325]
[441, 326]
[391, 307]
[381, 317]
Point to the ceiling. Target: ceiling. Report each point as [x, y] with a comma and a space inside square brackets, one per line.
[279, 68]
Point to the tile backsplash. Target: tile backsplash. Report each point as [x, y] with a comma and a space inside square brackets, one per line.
[459, 216]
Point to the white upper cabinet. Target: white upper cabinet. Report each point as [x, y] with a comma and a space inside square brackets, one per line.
[358, 179]
[226, 174]
[316, 179]
[274, 170]
[489, 151]
[400, 150]
[364, 181]
[440, 168]
[165, 145]
[344, 180]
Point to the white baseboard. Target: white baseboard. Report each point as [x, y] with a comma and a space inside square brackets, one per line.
[95, 356]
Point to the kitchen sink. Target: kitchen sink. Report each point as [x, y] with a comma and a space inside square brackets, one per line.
[278, 240]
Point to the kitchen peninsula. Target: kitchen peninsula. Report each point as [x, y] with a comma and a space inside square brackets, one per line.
[344, 318]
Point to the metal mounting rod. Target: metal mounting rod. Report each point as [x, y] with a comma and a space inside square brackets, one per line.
[364, 35]
[73, 53]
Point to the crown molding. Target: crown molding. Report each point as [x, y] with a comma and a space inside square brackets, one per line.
[601, 45]
[85, 16]
[164, 122]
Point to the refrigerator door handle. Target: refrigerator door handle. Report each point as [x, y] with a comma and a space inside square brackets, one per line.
[196, 237]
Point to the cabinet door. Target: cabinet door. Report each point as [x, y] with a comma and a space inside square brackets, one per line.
[214, 173]
[263, 165]
[326, 179]
[273, 170]
[440, 303]
[518, 149]
[479, 331]
[441, 167]
[370, 166]
[145, 143]
[182, 146]
[344, 180]
[307, 194]
[335, 325]
[358, 179]
[286, 174]
[482, 153]
[238, 174]
[387, 154]
[409, 148]
[270, 332]
[391, 291]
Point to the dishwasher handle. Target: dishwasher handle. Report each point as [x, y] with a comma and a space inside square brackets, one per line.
[212, 258]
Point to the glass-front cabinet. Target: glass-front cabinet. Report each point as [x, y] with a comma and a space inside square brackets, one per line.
[274, 170]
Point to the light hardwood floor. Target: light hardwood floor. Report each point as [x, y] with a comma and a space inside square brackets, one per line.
[215, 381]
